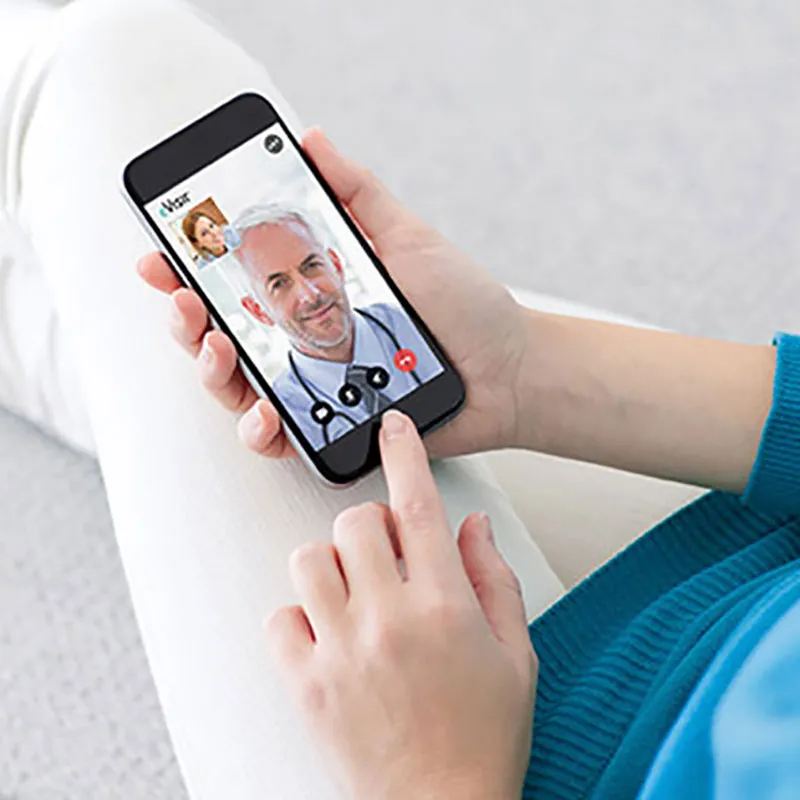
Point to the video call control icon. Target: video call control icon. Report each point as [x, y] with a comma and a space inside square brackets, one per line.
[405, 360]
[273, 143]
[377, 377]
[322, 413]
[350, 395]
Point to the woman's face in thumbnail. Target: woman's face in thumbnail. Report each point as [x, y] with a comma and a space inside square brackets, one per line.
[301, 284]
[209, 236]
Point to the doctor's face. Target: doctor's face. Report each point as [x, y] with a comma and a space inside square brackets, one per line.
[301, 284]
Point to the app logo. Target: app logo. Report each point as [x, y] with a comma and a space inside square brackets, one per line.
[173, 204]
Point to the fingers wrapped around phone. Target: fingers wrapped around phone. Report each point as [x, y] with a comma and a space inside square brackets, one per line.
[261, 431]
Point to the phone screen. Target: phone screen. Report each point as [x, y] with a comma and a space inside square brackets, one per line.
[270, 250]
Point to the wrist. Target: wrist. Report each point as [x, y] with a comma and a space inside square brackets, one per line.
[646, 401]
[544, 390]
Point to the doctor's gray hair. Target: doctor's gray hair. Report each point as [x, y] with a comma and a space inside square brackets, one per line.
[280, 213]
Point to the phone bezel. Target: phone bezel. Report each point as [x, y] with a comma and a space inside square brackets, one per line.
[203, 142]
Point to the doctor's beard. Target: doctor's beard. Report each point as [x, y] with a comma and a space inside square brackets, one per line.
[308, 337]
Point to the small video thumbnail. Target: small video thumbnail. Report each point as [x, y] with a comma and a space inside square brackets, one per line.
[201, 233]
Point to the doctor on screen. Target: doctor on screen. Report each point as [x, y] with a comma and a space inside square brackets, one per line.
[345, 364]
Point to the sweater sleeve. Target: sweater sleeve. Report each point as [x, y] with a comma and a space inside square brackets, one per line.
[774, 484]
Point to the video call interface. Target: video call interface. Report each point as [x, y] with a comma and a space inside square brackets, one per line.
[293, 284]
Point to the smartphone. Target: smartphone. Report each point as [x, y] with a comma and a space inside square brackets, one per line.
[246, 220]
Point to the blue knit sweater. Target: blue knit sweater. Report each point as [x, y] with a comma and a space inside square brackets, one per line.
[651, 681]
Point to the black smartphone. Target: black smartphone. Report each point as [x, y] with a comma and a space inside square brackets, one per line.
[321, 329]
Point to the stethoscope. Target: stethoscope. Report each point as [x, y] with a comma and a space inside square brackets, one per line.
[329, 412]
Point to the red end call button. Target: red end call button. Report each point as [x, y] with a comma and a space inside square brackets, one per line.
[405, 360]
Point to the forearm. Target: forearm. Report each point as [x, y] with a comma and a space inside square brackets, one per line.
[657, 403]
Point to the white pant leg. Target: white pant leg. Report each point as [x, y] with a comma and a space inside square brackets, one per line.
[36, 364]
[204, 527]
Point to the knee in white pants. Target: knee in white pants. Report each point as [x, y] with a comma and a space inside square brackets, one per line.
[115, 70]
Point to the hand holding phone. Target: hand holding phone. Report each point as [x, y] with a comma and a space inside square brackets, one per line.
[473, 317]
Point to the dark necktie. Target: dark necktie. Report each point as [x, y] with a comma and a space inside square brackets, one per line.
[376, 401]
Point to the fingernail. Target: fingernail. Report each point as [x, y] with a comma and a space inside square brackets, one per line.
[486, 523]
[206, 353]
[250, 423]
[394, 424]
